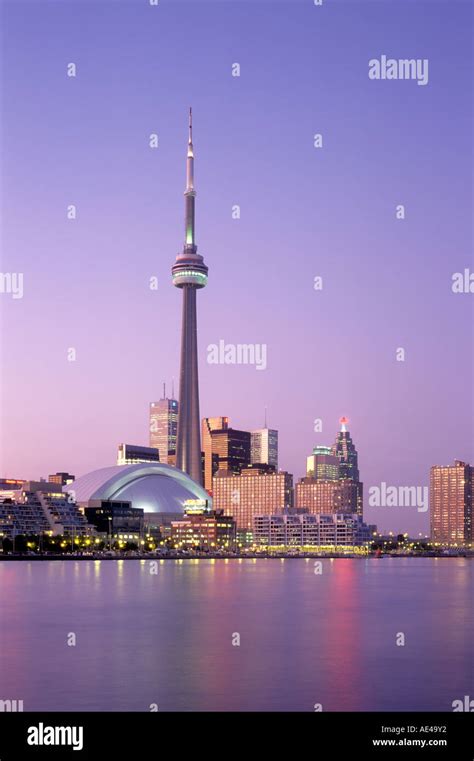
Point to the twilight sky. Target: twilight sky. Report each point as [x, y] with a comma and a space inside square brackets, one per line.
[305, 212]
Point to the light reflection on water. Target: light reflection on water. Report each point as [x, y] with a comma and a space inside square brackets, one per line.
[306, 638]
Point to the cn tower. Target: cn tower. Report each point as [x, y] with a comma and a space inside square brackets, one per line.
[189, 273]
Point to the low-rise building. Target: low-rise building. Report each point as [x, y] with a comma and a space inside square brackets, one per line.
[204, 529]
[117, 520]
[38, 507]
[306, 529]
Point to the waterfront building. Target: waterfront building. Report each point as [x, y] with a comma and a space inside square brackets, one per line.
[264, 447]
[116, 519]
[41, 506]
[307, 530]
[244, 538]
[129, 454]
[164, 427]
[451, 498]
[204, 529]
[252, 492]
[189, 274]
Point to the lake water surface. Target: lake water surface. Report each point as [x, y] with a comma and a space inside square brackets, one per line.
[305, 638]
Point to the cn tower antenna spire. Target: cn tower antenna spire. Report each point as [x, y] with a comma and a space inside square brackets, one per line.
[190, 169]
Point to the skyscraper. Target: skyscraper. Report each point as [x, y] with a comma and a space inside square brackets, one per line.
[451, 497]
[164, 426]
[345, 450]
[211, 460]
[323, 464]
[264, 447]
[189, 273]
[225, 449]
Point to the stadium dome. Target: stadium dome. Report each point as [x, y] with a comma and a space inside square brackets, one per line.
[154, 487]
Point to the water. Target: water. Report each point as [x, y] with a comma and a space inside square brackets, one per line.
[304, 638]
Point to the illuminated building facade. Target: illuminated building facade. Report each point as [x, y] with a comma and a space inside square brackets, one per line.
[203, 529]
[164, 428]
[323, 464]
[61, 478]
[41, 507]
[451, 497]
[319, 497]
[129, 454]
[346, 453]
[210, 463]
[264, 447]
[225, 449]
[116, 519]
[253, 492]
[307, 530]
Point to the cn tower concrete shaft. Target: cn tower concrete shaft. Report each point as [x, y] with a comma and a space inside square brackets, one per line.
[189, 274]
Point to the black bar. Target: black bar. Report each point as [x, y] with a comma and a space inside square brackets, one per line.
[138, 735]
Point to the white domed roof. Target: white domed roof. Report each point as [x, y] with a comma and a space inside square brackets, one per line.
[154, 487]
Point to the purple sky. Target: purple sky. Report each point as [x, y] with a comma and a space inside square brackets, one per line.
[304, 212]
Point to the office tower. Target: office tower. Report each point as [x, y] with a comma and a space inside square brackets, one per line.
[224, 448]
[253, 492]
[264, 447]
[190, 274]
[164, 426]
[211, 463]
[129, 454]
[323, 464]
[315, 496]
[451, 497]
[61, 478]
[346, 452]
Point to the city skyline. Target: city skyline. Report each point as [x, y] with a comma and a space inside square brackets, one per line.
[329, 352]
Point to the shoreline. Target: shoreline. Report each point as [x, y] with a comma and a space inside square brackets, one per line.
[253, 556]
